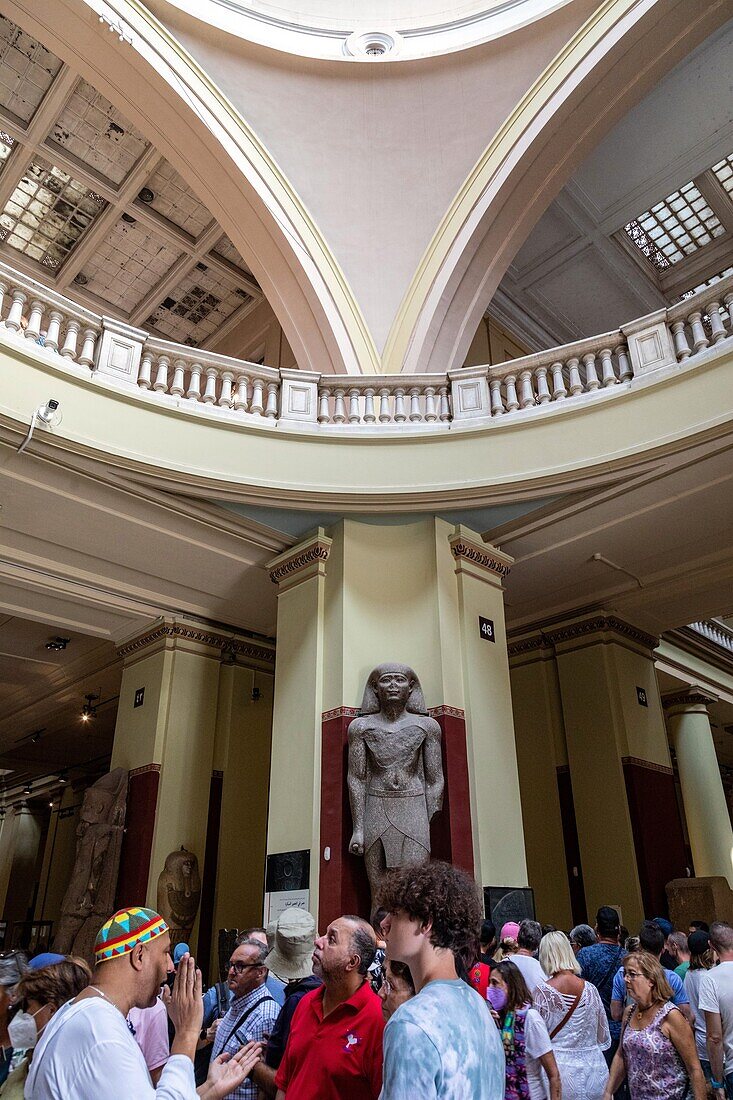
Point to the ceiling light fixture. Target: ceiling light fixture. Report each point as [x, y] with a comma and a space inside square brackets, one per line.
[89, 710]
[58, 643]
[146, 195]
[27, 789]
[63, 779]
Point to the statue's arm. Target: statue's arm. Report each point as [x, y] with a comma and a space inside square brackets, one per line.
[433, 765]
[356, 781]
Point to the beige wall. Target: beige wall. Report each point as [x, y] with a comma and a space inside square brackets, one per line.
[59, 855]
[492, 343]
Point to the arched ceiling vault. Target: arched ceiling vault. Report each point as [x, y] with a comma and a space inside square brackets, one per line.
[312, 170]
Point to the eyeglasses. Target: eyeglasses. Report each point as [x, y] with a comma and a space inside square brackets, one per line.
[239, 968]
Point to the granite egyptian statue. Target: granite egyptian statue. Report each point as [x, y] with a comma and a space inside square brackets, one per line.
[90, 897]
[395, 773]
[179, 894]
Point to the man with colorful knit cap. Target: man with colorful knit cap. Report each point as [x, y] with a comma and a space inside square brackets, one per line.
[87, 1051]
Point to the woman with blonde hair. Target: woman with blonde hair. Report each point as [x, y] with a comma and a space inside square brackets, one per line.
[657, 1054]
[576, 1020]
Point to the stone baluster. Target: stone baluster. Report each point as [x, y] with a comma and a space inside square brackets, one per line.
[607, 372]
[559, 392]
[72, 332]
[16, 311]
[55, 318]
[370, 417]
[384, 412]
[624, 366]
[576, 384]
[431, 413]
[225, 397]
[240, 399]
[591, 375]
[161, 375]
[699, 338]
[497, 403]
[209, 396]
[3, 291]
[728, 303]
[33, 328]
[679, 336]
[257, 404]
[526, 393]
[543, 392]
[415, 411]
[324, 415]
[717, 328]
[193, 393]
[179, 380]
[272, 395]
[86, 357]
[354, 413]
[144, 375]
[510, 388]
[444, 404]
[339, 406]
[400, 414]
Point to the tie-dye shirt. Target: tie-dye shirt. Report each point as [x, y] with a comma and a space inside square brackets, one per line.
[443, 1043]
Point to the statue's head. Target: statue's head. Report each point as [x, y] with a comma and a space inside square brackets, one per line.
[99, 799]
[393, 685]
[183, 867]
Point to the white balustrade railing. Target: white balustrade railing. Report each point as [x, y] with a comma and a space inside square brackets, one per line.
[220, 385]
[717, 633]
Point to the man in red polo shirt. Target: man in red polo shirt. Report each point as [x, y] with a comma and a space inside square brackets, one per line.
[334, 1050]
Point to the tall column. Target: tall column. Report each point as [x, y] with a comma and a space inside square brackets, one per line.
[166, 734]
[22, 884]
[706, 811]
[350, 598]
[629, 828]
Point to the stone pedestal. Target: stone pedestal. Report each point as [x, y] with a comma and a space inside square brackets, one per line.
[705, 899]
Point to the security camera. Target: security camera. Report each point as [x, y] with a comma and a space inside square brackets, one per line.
[45, 412]
[49, 415]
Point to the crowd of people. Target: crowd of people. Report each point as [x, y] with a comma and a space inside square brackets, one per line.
[428, 1000]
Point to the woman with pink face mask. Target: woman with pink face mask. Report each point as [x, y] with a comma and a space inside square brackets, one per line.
[38, 995]
[531, 1070]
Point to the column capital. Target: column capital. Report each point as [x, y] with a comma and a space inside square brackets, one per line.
[300, 563]
[598, 623]
[173, 633]
[691, 698]
[479, 558]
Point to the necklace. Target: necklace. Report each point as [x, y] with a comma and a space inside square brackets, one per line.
[643, 1011]
[103, 994]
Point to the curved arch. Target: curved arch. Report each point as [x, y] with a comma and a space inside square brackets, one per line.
[180, 109]
[607, 66]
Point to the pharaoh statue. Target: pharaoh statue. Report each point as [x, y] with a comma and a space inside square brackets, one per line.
[395, 774]
[90, 897]
[179, 894]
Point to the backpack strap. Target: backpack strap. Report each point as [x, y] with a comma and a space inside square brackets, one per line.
[244, 1016]
[558, 1028]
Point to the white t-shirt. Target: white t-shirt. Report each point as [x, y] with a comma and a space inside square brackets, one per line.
[531, 970]
[86, 1052]
[716, 995]
[536, 1044]
[693, 978]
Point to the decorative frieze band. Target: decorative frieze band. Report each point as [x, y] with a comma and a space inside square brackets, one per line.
[340, 712]
[144, 769]
[447, 712]
[637, 762]
[596, 624]
[486, 557]
[237, 646]
[315, 552]
[688, 697]
[354, 712]
[527, 645]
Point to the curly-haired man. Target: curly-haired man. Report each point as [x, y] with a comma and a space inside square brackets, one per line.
[443, 1042]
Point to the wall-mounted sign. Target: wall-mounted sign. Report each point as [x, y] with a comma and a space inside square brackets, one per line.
[486, 629]
[641, 697]
[286, 882]
[139, 697]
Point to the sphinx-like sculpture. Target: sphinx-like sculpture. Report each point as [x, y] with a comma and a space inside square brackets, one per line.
[179, 894]
[395, 773]
[90, 898]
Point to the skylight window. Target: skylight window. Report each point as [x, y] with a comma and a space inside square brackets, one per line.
[724, 173]
[47, 214]
[675, 227]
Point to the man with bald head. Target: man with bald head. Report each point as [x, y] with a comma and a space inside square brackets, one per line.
[334, 1048]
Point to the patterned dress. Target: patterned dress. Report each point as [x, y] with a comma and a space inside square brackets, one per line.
[654, 1069]
[579, 1045]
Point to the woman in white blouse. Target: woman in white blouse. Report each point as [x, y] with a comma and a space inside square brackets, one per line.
[576, 1021]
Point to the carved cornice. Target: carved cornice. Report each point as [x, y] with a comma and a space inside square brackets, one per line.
[313, 552]
[238, 646]
[637, 762]
[485, 557]
[144, 770]
[596, 624]
[688, 697]
[447, 712]
[340, 712]
[527, 645]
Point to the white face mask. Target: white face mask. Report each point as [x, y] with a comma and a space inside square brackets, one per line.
[22, 1030]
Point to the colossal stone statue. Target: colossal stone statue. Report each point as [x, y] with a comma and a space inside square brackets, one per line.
[395, 774]
[90, 898]
[179, 894]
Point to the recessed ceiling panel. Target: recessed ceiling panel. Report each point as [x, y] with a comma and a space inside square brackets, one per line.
[200, 303]
[27, 70]
[226, 249]
[99, 135]
[129, 262]
[47, 214]
[174, 199]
